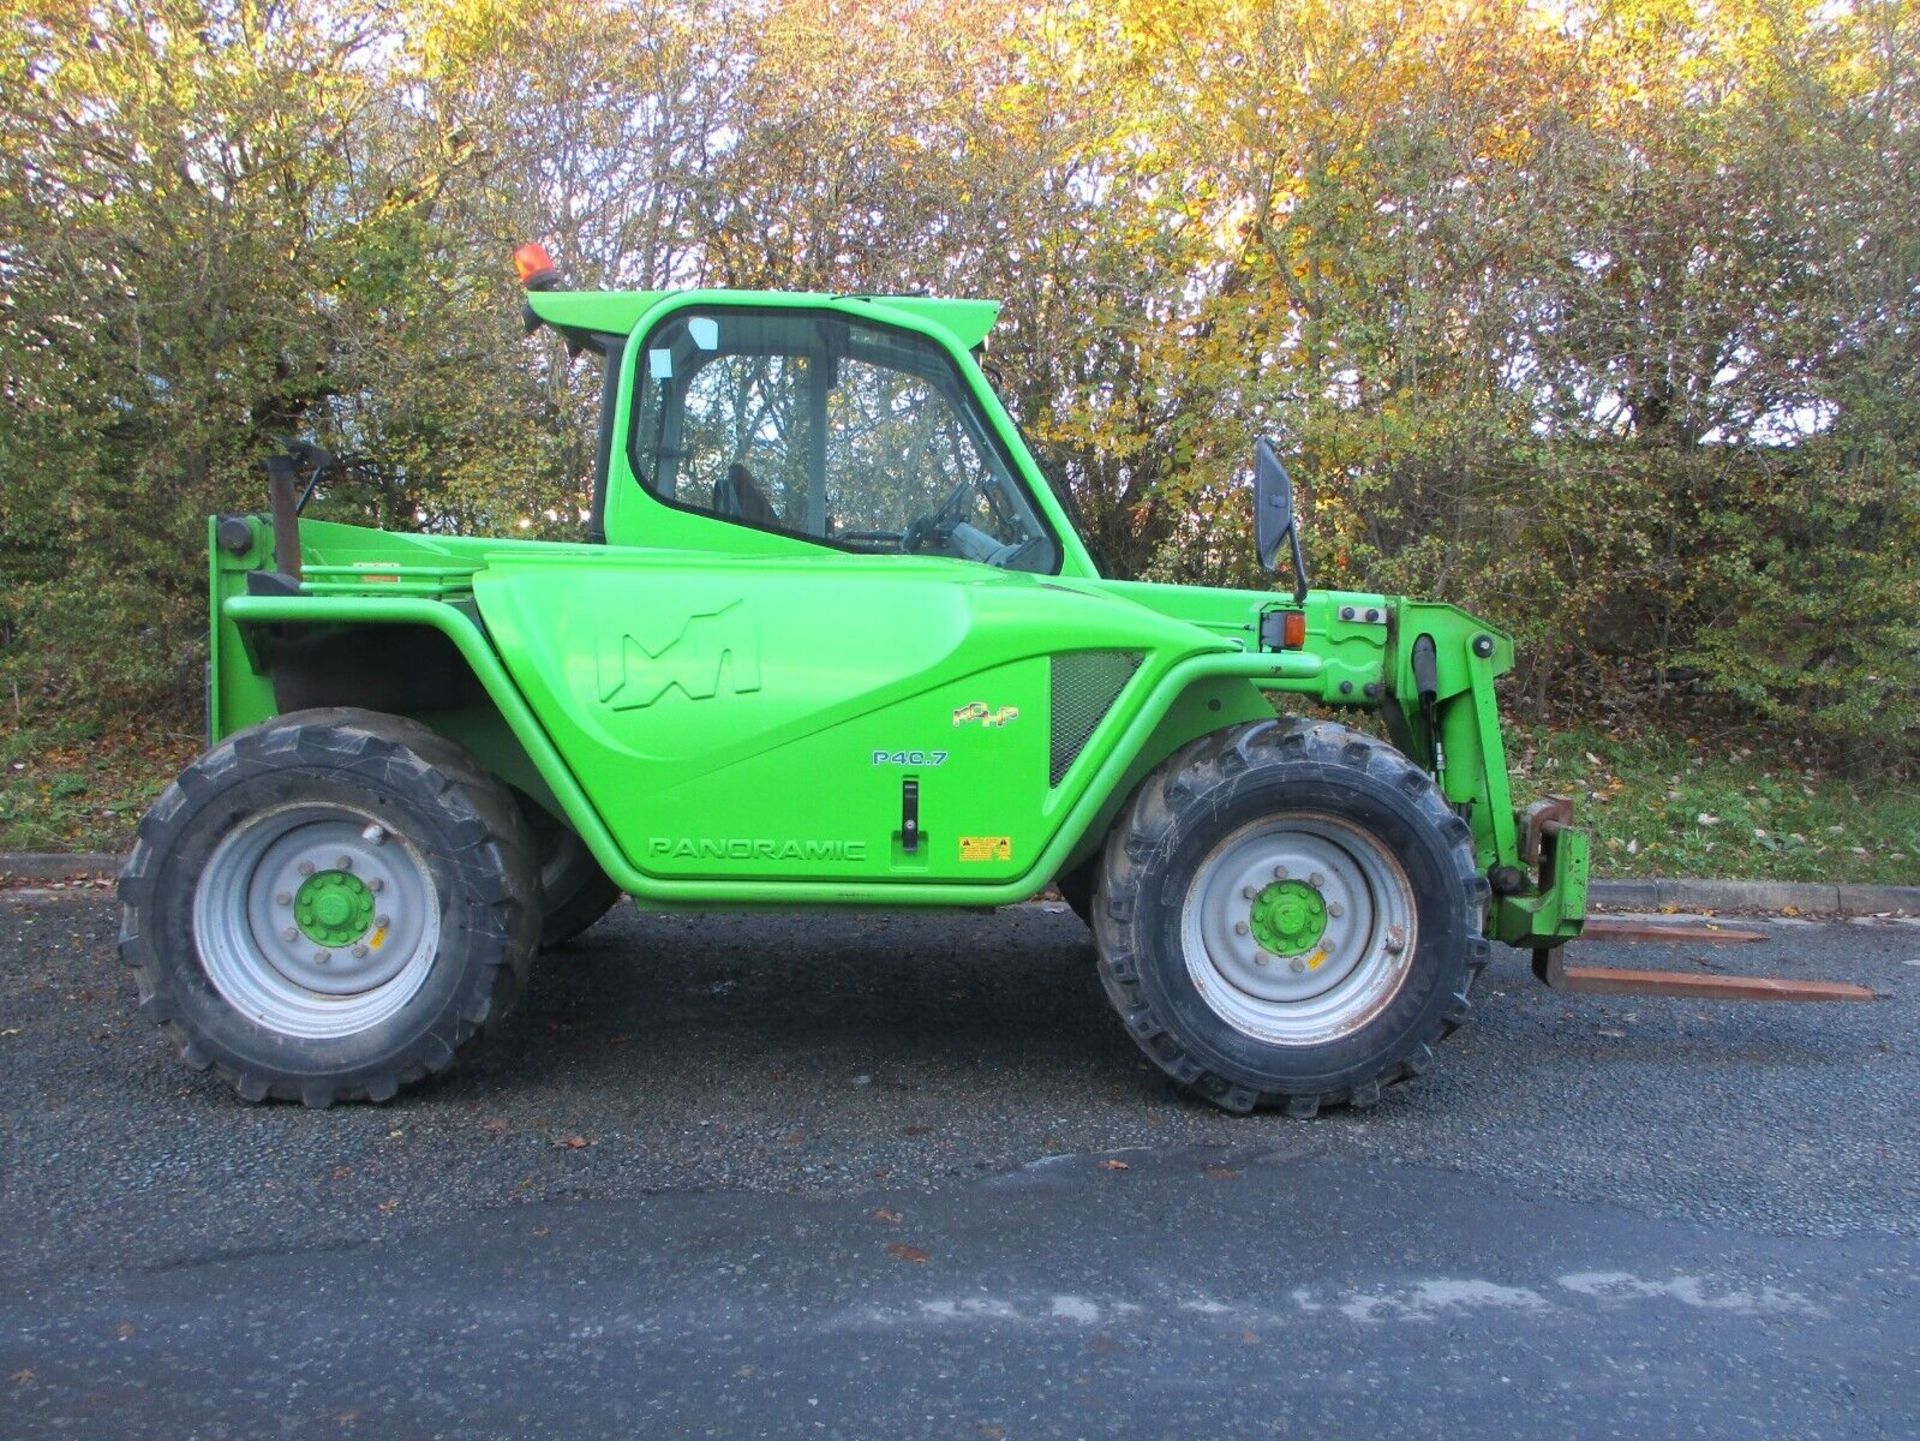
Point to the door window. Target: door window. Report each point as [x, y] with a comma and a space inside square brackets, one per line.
[852, 434]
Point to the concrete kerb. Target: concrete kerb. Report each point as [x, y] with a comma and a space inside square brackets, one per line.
[1805, 897]
[84, 873]
[43, 867]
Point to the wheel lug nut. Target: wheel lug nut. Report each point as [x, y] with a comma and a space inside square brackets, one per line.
[1296, 965]
[320, 958]
[306, 868]
[285, 898]
[1396, 940]
[1279, 873]
[381, 923]
[1248, 892]
[374, 883]
[291, 933]
[1240, 928]
[360, 951]
[345, 863]
[1316, 880]
[1260, 958]
[1335, 909]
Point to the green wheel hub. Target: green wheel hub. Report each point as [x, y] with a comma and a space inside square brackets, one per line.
[1288, 917]
[333, 908]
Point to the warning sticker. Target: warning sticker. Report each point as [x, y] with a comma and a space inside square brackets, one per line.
[986, 848]
[979, 710]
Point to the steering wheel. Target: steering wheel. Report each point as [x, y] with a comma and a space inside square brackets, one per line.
[924, 528]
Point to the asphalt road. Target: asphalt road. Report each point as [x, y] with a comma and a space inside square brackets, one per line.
[879, 1176]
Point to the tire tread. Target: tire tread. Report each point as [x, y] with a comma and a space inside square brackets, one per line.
[1143, 832]
[378, 748]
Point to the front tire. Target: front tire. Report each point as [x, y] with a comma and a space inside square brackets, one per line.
[330, 906]
[1290, 914]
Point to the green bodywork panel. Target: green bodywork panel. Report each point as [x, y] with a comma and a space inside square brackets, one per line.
[731, 716]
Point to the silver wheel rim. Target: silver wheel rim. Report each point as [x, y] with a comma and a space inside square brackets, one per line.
[1329, 988]
[271, 970]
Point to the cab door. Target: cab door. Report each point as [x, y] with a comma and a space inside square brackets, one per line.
[835, 666]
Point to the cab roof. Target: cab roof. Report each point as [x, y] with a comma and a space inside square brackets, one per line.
[617, 312]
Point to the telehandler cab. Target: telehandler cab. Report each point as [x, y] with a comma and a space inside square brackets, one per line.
[830, 639]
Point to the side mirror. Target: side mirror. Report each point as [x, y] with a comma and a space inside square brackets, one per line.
[1273, 517]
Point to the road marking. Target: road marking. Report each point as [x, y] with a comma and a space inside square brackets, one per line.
[1692, 1291]
[1415, 1302]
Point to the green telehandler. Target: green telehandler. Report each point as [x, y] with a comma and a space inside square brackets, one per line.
[830, 640]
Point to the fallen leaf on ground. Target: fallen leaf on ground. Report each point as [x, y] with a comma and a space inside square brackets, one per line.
[886, 1217]
[1219, 1173]
[1112, 1165]
[901, 1251]
[573, 1143]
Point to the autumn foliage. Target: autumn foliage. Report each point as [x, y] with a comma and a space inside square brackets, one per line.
[1600, 319]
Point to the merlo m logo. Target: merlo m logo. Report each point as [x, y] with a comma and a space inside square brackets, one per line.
[713, 652]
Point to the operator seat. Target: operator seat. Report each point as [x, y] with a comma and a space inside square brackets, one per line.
[737, 493]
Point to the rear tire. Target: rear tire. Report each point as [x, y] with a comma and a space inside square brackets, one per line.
[574, 892]
[1290, 914]
[1076, 888]
[330, 906]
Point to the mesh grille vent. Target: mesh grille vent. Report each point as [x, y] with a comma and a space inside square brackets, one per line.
[1085, 685]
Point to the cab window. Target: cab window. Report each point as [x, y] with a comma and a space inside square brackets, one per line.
[847, 433]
